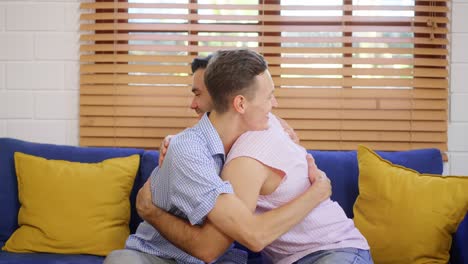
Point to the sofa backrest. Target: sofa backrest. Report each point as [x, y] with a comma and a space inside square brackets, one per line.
[9, 204]
[149, 161]
[342, 169]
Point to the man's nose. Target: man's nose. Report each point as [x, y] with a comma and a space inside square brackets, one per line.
[193, 105]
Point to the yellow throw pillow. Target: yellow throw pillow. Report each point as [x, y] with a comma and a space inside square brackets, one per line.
[407, 217]
[72, 208]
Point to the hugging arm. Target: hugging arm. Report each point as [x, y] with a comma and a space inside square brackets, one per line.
[256, 231]
[233, 214]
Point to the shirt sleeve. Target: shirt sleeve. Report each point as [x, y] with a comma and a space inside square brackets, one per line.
[196, 183]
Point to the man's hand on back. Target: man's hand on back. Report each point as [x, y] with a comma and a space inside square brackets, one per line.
[144, 203]
[313, 172]
[318, 179]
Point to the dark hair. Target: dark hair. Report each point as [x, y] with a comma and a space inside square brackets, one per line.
[200, 63]
[232, 72]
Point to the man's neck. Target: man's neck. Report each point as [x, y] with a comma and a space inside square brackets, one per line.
[228, 128]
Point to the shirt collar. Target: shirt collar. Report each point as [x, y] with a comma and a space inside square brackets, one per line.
[215, 145]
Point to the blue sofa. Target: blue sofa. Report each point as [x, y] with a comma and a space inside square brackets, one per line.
[340, 166]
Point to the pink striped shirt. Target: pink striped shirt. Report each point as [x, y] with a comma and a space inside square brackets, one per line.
[326, 227]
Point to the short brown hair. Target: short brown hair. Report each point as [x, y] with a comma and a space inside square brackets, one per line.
[230, 73]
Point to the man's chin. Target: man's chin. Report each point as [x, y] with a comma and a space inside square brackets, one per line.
[266, 127]
[261, 128]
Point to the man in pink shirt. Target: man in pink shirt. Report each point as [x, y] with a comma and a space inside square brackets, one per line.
[267, 170]
[270, 170]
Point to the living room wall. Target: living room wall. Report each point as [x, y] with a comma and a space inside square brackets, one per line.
[39, 75]
[458, 126]
[39, 70]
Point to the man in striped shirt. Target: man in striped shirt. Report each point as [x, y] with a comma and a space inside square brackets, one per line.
[188, 185]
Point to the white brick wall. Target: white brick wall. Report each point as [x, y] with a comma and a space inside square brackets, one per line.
[56, 105]
[16, 46]
[39, 70]
[35, 17]
[458, 125]
[72, 76]
[39, 75]
[459, 107]
[16, 105]
[458, 132]
[458, 18]
[2, 18]
[458, 78]
[2, 76]
[35, 76]
[72, 16]
[2, 128]
[50, 131]
[458, 164]
[57, 46]
[459, 44]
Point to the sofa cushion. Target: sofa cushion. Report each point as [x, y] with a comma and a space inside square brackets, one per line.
[407, 217]
[9, 204]
[71, 207]
[44, 258]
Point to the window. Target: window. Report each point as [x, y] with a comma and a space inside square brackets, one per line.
[347, 71]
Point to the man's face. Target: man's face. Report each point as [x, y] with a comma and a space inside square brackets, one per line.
[201, 101]
[256, 114]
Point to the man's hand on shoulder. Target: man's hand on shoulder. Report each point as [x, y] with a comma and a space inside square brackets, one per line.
[163, 148]
[289, 130]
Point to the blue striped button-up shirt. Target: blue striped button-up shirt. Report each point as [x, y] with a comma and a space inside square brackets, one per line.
[187, 185]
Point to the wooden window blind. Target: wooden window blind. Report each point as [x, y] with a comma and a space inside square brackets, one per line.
[347, 71]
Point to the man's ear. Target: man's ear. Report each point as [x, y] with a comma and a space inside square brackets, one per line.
[239, 103]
